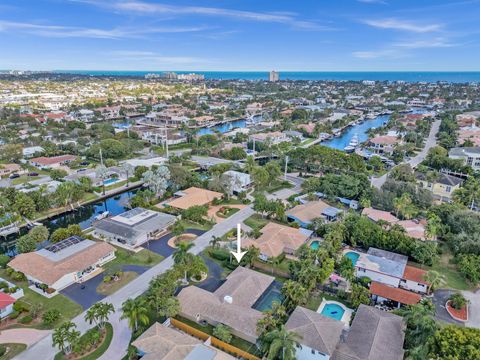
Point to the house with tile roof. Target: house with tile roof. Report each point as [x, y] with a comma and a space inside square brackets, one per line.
[160, 341]
[442, 187]
[53, 162]
[381, 293]
[305, 213]
[62, 264]
[374, 335]
[319, 334]
[193, 196]
[277, 239]
[231, 304]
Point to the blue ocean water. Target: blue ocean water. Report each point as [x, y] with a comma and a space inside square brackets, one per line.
[407, 76]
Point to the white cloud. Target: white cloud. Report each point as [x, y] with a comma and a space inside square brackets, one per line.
[375, 54]
[146, 8]
[424, 44]
[70, 31]
[395, 24]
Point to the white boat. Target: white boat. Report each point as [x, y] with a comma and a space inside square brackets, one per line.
[352, 145]
[103, 215]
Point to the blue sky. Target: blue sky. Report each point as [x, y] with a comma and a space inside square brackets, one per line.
[240, 35]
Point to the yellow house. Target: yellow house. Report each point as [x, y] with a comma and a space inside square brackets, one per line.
[442, 187]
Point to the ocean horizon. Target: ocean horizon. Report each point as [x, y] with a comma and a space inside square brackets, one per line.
[407, 76]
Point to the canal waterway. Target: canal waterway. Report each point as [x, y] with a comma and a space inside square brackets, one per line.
[84, 216]
[361, 130]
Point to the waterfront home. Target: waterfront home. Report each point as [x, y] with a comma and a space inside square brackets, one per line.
[9, 294]
[203, 121]
[304, 214]
[193, 196]
[238, 181]
[147, 162]
[231, 304]
[319, 334]
[469, 155]
[134, 227]
[389, 268]
[277, 239]
[442, 187]
[292, 134]
[161, 341]
[62, 264]
[274, 137]
[383, 144]
[53, 162]
[375, 334]
[7, 169]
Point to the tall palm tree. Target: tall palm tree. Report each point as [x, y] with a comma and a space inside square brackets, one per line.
[214, 241]
[434, 226]
[103, 312]
[434, 279]
[182, 257]
[65, 337]
[280, 343]
[135, 311]
[128, 169]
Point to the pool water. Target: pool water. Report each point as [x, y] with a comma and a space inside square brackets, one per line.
[333, 311]
[315, 245]
[109, 181]
[271, 295]
[353, 256]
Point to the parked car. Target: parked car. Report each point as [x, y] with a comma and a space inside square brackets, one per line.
[81, 170]
[32, 174]
[84, 163]
[14, 176]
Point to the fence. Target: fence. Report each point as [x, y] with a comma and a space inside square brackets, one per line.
[213, 341]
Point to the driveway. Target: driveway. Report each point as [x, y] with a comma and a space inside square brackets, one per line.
[439, 299]
[23, 336]
[122, 334]
[85, 294]
[160, 246]
[215, 278]
[473, 308]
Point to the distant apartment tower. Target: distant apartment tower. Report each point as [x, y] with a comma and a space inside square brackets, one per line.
[274, 76]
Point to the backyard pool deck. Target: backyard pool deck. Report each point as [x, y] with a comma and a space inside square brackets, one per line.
[347, 312]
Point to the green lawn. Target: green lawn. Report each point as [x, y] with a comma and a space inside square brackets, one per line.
[314, 300]
[229, 212]
[256, 221]
[68, 308]
[99, 351]
[447, 267]
[12, 350]
[113, 286]
[144, 257]
[191, 225]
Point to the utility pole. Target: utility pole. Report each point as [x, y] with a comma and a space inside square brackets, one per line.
[286, 166]
[101, 157]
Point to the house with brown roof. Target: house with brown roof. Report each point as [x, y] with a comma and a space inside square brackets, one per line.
[231, 304]
[304, 214]
[319, 334]
[53, 162]
[374, 335]
[277, 239]
[384, 293]
[7, 169]
[383, 144]
[62, 264]
[167, 343]
[193, 196]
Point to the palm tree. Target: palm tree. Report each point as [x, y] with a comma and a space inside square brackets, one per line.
[65, 337]
[135, 311]
[214, 241]
[280, 343]
[101, 172]
[434, 225]
[420, 325]
[434, 280]
[128, 169]
[103, 312]
[294, 294]
[182, 257]
[250, 164]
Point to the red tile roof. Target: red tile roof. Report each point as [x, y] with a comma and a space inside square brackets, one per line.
[6, 300]
[415, 274]
[53, 160]
[402, 296]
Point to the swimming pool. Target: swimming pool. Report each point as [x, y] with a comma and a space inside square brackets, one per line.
[314, 245]
[333, 311]
[271, 295]
[353, 256]
[110, 181]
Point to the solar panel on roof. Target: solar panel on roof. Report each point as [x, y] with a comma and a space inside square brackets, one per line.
[72, 240]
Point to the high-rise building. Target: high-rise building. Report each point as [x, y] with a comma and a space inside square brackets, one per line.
[274, 76]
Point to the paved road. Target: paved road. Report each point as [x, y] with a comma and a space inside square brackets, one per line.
[473, 308]
[22, 336]
[122, 334]
[415, 161]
